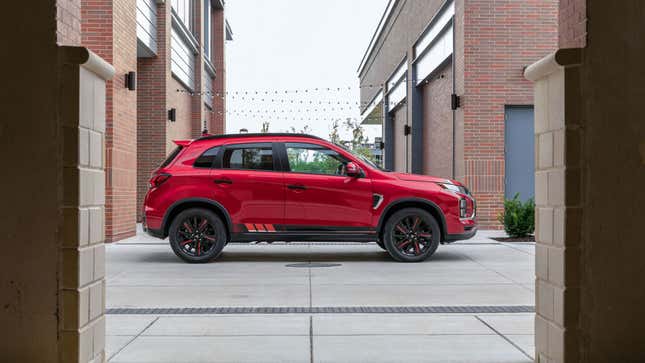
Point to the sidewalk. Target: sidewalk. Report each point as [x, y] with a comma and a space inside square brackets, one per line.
[361, 308]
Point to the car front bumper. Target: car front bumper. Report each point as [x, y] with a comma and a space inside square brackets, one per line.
[469, 232]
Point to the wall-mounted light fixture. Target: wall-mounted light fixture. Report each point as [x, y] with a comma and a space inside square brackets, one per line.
[172, 114]
[131, 81]
[455, 101]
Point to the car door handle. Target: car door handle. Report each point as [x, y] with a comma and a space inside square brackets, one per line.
[223, 181]
[296, 187]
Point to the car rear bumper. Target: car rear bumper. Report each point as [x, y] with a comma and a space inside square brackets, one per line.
[151, 231]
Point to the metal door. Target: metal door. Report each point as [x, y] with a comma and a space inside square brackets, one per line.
[519, 147]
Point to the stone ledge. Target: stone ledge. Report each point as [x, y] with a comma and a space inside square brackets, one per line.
[567, 57]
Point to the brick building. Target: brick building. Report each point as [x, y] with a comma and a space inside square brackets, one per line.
[174, 52]
[444, 79]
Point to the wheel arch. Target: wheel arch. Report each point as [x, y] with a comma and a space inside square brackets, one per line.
[184, 204]
[424, 204]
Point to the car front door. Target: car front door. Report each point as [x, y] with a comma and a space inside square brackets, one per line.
[319, 195]
[250, 185]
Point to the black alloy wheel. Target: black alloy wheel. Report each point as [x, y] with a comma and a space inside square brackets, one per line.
[411, 235]
[197, 235]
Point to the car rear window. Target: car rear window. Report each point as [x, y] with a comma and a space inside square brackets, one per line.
[171, 157]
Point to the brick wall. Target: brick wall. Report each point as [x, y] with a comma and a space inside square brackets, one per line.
[197, 101]
[109, 29]
[121, 146]
[183, 103]
[500, 39]
[152, 108]
[217, 118]
[572, 20]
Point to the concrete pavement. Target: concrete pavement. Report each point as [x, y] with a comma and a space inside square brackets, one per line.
[144, 273]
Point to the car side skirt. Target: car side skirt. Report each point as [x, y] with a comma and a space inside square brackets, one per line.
[289, 233]
[304, 237]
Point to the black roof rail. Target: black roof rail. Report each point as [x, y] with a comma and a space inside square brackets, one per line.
[275, 134]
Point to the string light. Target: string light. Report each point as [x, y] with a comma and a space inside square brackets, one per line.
[295, 91]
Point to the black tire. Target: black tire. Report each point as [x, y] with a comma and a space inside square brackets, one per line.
[197, 235]
[411, 235]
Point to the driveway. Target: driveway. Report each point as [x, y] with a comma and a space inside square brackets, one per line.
[323, 302]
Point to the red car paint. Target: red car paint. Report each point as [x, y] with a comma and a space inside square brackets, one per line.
[259, 203]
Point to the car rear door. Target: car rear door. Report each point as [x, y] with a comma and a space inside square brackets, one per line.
[250, 184]
[319, 196]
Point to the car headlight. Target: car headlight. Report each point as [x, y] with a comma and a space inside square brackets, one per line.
[451, 187]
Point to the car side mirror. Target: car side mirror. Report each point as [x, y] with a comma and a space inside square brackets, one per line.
[353, 170]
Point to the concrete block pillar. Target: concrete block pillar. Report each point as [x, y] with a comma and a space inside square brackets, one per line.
[81, 286]
[558, 135]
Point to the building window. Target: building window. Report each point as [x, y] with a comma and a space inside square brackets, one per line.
[184, 10]
[146, 28]
[208, 90]
[207, 29]
[397, 86]
[182, 60]
[436, 43]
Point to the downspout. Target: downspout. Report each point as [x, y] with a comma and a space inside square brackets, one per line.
[454, 90]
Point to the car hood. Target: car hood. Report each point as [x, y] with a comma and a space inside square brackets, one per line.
[424, 178]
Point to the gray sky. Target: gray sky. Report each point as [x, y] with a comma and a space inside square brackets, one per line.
[296, 45]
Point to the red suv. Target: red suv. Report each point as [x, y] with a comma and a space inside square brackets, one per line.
[292, 187]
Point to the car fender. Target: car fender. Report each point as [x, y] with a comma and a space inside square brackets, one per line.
[429, 203]
[169, 212]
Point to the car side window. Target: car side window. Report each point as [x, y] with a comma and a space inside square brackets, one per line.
[207, 159]
[248, 157]
[315, 159]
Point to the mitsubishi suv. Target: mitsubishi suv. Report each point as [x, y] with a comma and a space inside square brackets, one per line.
[293, 187]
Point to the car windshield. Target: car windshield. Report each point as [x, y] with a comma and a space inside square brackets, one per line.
[362, 158]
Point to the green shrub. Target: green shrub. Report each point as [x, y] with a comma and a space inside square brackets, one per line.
[518, 217]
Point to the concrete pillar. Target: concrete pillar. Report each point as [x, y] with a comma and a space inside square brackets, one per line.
[52, 149]
[81, 285]
[589, 186]
[53, 285]
[558, 204]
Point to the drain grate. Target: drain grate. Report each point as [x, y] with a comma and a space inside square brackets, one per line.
[313, 264]
[328, 310]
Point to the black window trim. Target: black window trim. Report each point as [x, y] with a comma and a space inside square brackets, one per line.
[274, 153]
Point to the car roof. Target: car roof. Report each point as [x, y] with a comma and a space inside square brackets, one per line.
[257, 135]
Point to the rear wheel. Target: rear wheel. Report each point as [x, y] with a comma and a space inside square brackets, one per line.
[411, 235]
[197, 235]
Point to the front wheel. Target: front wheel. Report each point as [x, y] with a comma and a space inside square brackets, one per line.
[411, 235]
[197, 235]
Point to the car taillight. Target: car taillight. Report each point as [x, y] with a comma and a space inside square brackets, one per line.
[159, 179]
